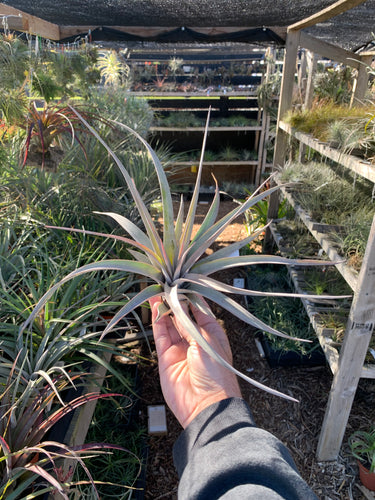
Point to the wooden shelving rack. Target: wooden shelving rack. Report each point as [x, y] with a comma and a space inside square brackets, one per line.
[215, 100]
[348, 365]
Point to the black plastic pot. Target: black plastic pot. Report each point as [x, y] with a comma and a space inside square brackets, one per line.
[276, 358]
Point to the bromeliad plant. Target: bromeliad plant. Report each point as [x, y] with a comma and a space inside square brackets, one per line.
[47, 126]
[29, 462]
[176, 261]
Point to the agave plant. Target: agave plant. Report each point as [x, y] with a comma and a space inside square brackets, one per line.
[176, 262]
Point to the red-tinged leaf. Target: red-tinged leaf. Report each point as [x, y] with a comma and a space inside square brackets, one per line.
[61, 412]
[6, 451]
[36, 469]
[128, 241]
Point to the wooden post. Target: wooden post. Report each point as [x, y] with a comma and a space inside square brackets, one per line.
[261, 150]
[270, 69]
[286, 95]
[358, 334]
[302, 74]
[360, 83]
[267, 121]
[312, 61]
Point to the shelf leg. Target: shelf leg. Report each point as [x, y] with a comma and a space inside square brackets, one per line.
[286, 95]
[358, 334]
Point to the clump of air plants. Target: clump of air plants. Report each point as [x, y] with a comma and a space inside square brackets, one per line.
[175, 262]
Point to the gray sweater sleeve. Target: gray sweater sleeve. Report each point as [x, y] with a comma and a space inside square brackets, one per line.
[222, 454]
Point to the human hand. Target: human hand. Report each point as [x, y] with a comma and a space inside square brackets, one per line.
[190, 379]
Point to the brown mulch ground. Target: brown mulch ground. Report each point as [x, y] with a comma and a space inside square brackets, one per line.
[297, 425]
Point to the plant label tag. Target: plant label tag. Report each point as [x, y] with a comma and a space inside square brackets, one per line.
[239, 282]
[157, 420]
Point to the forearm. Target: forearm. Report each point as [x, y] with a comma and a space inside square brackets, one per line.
[222, 453]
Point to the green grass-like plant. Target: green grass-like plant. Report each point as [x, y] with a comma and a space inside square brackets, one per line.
[316, 121]
[362, 445]
[176, 262]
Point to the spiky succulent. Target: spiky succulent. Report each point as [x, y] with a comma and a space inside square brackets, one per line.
[176, 262]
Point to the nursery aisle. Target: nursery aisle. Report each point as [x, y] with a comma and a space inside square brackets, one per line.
[297, 425]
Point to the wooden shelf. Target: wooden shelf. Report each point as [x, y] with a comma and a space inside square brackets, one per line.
[350, 276]
[217, 163]
[350, 366]
[157, 95]
[202, 129]
[363, 168]
[314, 311]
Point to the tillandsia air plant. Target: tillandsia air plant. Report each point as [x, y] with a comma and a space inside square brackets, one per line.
[176, 261]
[47, 126]
[30, 463]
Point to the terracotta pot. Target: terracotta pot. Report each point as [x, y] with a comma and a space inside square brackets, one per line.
[367, 478]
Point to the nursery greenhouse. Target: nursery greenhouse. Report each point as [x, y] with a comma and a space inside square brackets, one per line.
[216, 159]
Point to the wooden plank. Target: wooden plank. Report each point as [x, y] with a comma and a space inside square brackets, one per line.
[194, 95]
[323, 15]
[217, 163]
[30, 24]
[285, 103]
[267, 119]
[368, 371]
[360, 167]
[323, 334]
[311, 63]
[330, 51]
[358, 334]
[302, 73]
[202, 129]
[286, 95]
[79, 426]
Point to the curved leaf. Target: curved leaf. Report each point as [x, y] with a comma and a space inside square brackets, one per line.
[169, 235]
[210, 266]
[137, 244]
[141, 297]
[207, 238]
[189, 222]
[112, 265]
[203, 280]
[172, 297]
[145, 215]
[127, 225]
[237, 310]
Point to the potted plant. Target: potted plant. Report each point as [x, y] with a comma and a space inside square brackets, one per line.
[362, 445]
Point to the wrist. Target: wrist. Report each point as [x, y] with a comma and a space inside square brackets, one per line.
[208, 401]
